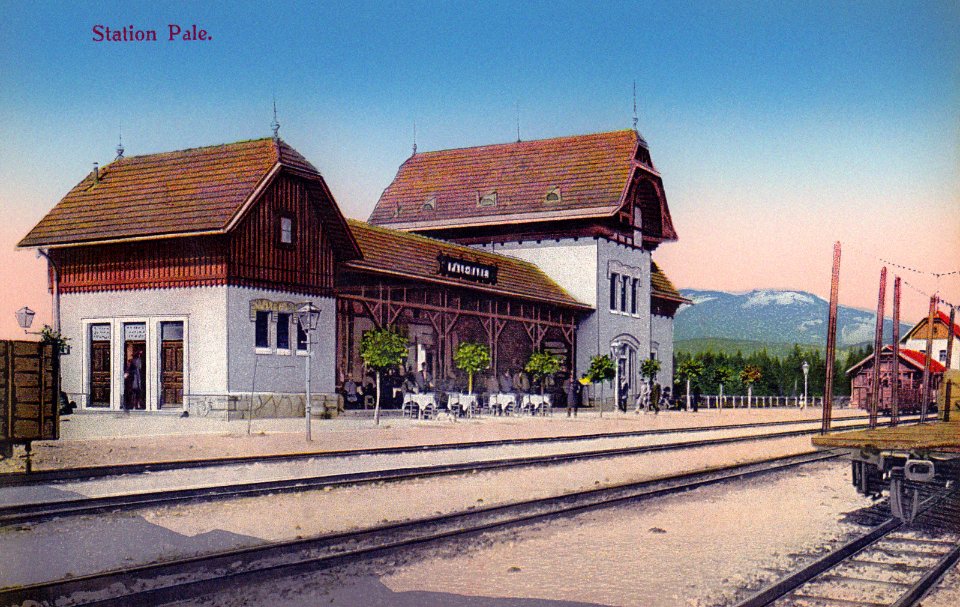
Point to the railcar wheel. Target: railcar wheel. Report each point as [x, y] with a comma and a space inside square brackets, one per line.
[904, 497]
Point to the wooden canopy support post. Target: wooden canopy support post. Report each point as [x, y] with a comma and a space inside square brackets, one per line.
[947, 396]
[831, 340]
[895, 381]
[925, 390]
[877, 349]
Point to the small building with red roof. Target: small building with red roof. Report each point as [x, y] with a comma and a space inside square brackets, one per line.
[910, 377]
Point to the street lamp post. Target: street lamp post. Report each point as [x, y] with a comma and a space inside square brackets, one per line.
[308, 317]
[806, 371]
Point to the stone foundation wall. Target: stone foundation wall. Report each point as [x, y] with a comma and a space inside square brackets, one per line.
[230, 407]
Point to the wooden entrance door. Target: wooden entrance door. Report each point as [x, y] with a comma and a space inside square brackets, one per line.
[100, 374]
[171, 373]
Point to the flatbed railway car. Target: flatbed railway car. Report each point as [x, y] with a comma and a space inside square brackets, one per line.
[901, 459]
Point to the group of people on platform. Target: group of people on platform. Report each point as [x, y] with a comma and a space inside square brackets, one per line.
[397, 382]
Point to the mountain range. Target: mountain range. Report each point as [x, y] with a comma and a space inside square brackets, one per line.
[775, 319]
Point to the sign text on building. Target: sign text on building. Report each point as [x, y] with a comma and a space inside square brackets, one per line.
[467, 270]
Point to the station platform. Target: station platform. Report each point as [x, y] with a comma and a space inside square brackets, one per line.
[103, 439]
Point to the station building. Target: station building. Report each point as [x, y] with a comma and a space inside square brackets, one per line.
[588, 210]
[179, 274]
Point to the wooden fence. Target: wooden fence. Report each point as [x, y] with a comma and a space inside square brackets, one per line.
[739, 401]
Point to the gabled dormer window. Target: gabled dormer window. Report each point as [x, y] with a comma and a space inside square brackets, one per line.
[430, 204]
[488, 199]
[553, 196]
[287, 230]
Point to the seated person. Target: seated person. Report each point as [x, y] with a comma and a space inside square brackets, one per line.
[350, 392]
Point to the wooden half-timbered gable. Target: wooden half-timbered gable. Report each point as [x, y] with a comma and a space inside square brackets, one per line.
[194, 262]
[588, 210]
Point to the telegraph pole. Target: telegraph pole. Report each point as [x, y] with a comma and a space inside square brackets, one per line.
[947, 397]
[895, 385]
[877, 347]
[924, 404]
[831, 339]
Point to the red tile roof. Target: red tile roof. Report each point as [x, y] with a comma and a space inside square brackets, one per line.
[662, 287]
[172, 193]
[590, 172]
[414, 256]
[945, 319]
[915, 359]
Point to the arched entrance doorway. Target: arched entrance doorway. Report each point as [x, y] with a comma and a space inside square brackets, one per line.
[624, 350]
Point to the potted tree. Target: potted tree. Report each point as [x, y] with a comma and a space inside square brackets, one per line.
[381, 349]
[601, 370]
[542, 365]
[749, 375]
[471, 357]
[722, 375]
[690, 370]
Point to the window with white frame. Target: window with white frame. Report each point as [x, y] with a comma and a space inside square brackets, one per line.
[283, 331]
[614, 279]
[623, 293]
[286, 229]
[262, 330]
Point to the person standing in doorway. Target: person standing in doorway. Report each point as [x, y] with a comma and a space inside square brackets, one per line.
[133, 376]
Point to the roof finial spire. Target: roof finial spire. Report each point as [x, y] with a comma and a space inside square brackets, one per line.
[275, 125]
[518, 121]
[414, 137]
[634, 104]
[120, 149]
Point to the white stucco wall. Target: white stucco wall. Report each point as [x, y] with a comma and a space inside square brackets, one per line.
[277, 372]
[582, 267]
[937, 345]
[569, 262]
[202, 311]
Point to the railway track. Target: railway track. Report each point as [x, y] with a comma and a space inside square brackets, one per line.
[93, 472]
[191, 577]
[34, 512]
[894, 565]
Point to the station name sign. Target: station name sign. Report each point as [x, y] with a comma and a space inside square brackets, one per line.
[467, 270]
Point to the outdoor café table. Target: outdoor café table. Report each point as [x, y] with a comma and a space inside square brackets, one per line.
[462, 402]
[500, 401]
[536, 403]
[422, 401]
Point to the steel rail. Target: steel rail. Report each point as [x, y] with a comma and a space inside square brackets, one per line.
[194, 576]
[25, 513]
[847, 553]
[91, 472]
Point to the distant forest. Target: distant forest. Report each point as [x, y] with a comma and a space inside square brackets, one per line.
[780, 375]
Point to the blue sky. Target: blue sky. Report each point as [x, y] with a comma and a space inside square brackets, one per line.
[774, 123]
